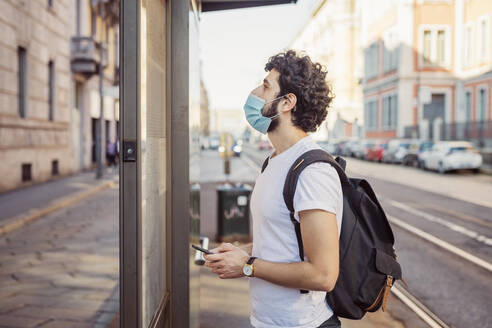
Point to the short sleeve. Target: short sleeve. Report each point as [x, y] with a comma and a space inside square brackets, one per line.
[318, 187]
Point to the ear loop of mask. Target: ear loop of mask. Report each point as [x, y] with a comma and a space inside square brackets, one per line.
[277, 115]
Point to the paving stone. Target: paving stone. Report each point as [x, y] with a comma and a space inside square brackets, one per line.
[66, 324]
[66, 265]
[14, 321]
[56, 313]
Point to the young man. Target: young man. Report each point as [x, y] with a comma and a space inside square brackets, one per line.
[292, 101]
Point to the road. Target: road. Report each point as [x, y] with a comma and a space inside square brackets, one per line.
[439, 269]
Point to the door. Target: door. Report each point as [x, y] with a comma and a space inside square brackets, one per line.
[433, 111]
[154, 176]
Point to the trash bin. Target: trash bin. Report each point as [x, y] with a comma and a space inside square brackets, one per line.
[233, 213]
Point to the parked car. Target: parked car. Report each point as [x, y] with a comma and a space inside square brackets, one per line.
[400, 153]
[397, 149]
[424, 153]
[214, 142]
[339, 147]
[350, 147]
[417, 147]
[453, 155]
[376, 152]
[363, 147]
[327, 145]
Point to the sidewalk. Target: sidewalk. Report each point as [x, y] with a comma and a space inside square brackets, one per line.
[63, 269]
[225, 303]
[25, 205]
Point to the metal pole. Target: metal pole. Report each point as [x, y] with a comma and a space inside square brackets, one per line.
[99, 125]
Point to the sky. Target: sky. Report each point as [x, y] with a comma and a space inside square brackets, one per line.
[236, 44]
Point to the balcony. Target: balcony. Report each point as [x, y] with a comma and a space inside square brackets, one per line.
[86, 55]
[110, 10]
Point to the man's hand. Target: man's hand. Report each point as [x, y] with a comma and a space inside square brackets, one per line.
[227, 261]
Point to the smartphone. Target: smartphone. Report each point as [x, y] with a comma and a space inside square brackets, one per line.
[198, 248]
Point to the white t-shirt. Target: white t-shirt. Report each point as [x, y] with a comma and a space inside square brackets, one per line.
[274, 237]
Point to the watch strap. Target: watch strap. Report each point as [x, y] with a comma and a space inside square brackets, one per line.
[251, 260]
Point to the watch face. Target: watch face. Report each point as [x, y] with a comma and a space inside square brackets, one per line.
[247, 270]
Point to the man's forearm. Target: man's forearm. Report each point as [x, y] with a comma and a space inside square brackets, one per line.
[301, 275]
[248, 248]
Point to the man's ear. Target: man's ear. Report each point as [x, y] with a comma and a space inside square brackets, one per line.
[290, 101]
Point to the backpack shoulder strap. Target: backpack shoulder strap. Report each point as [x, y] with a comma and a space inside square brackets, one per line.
[306, 159]
[265, 164]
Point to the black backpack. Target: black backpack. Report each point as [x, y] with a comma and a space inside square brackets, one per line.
[368, 266]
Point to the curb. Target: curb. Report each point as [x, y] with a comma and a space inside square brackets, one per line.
[21, 220]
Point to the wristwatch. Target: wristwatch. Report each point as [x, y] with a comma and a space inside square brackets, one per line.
[248, 268]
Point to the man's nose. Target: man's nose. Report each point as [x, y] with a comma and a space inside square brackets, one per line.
[256, 92]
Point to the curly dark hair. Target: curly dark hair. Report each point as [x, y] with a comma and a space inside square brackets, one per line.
[307, 80]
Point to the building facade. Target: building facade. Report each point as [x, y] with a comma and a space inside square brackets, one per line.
[425, 73]
[94, 41]
[47, 103]
[34, 92]
[332, 38]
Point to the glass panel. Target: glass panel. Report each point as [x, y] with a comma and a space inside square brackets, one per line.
[427, 46]
[468, 45]
[468, 106]
[483, 41]
[153, 145]
[194, 121]
[441, 47]
[481, 111]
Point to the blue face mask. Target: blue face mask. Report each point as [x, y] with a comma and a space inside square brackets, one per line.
[252, 109]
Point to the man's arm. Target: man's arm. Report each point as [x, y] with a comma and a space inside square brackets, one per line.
[320, 270]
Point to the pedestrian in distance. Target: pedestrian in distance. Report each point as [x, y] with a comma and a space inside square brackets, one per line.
[111, 153]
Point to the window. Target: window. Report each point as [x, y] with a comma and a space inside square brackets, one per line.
[481, 105]
[93, 23]
[26, 172]
[394, 111]
[371, 61]
[371, 115]
[54, 167]
[427, 47]
[390, 59]
[390, 112]
[468, 59]
[51, 90]
[22, 78]
[441, 48]
[77, 16]
[483, 38]
[390, 51]
[435, 46]
[385, 112]
[78, 95]
[468, 106]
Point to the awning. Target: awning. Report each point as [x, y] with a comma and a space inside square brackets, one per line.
[214, 5]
